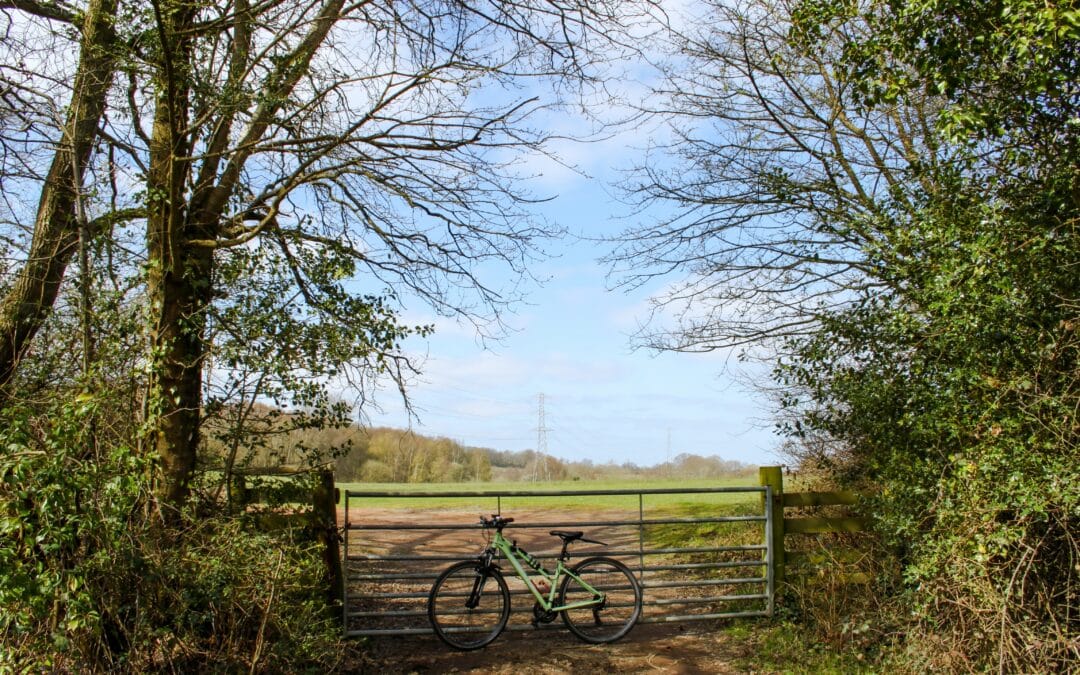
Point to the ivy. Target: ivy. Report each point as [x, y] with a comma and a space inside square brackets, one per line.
[955, 394]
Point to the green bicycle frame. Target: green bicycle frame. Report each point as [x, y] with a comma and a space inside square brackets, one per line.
[515, 555]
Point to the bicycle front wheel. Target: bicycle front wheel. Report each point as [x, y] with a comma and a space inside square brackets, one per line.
[616, 615]
[468, 606]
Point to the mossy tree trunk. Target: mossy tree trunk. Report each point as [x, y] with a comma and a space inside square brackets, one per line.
[56, 230]
[178, 278]
[186, 201]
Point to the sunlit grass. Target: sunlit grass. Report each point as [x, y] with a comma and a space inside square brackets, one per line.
[508, 495]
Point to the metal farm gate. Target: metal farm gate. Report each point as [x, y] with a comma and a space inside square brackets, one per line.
[717, 563]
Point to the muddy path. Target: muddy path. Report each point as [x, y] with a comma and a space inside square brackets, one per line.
[691, 648]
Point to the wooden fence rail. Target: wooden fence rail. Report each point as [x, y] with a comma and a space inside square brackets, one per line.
[773, 476]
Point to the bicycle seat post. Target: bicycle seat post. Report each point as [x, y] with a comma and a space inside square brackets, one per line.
[565, 555]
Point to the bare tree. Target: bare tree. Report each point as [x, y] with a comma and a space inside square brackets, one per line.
[56, 229]
[369, 146]
[779, 182]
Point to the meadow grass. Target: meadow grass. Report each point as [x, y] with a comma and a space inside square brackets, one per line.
[508, 495]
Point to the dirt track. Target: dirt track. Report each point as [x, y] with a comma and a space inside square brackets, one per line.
[696, 648]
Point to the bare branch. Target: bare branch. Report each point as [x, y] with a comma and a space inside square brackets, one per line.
[779, 184]
[56, 11]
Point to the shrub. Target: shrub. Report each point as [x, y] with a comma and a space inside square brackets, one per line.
[90, 580]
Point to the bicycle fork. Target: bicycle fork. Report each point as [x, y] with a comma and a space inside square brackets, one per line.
[483, 571]
[473, 600]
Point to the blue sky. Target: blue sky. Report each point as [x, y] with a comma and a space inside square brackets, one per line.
[571, 341]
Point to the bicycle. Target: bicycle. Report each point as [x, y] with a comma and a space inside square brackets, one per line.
[469, 604]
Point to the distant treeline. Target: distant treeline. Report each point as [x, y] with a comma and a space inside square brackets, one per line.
[529, 465]
[386, 455]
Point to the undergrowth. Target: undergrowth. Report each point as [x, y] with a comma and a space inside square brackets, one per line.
[92, 581]
[789, 646]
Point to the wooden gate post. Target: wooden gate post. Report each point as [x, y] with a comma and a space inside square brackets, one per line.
[773, 476]
[325, 501]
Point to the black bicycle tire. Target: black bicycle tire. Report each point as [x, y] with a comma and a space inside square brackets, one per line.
[627, 626]
[450, 638]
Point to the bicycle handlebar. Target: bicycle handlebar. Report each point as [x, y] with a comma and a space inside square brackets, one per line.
[496, 521]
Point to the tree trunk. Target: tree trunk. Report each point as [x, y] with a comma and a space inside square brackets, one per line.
[178, 277]
[56, 231]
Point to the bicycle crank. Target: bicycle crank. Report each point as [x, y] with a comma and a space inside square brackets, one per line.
[541, 615]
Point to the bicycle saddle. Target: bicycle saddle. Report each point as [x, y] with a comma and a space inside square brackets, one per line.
[577, 535]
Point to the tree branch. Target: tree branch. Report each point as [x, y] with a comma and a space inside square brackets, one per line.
[55, 11]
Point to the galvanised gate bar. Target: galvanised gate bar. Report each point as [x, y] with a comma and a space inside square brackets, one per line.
[711, 565]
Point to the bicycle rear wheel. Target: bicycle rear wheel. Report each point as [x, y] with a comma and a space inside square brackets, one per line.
[618, 613]
[468, 607]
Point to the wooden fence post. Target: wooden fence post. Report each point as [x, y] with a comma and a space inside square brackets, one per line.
[238, 494]
[324, 498]
[773, 476]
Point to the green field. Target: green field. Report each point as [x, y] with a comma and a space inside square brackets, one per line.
[512, 498]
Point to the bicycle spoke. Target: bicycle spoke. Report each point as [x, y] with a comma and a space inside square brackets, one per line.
[466, 609]
[621, 606]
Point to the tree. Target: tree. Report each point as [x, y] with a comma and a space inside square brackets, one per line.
[56, 230]
[885, 194]
[364, 150]
[962, 400]
[781, 185]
